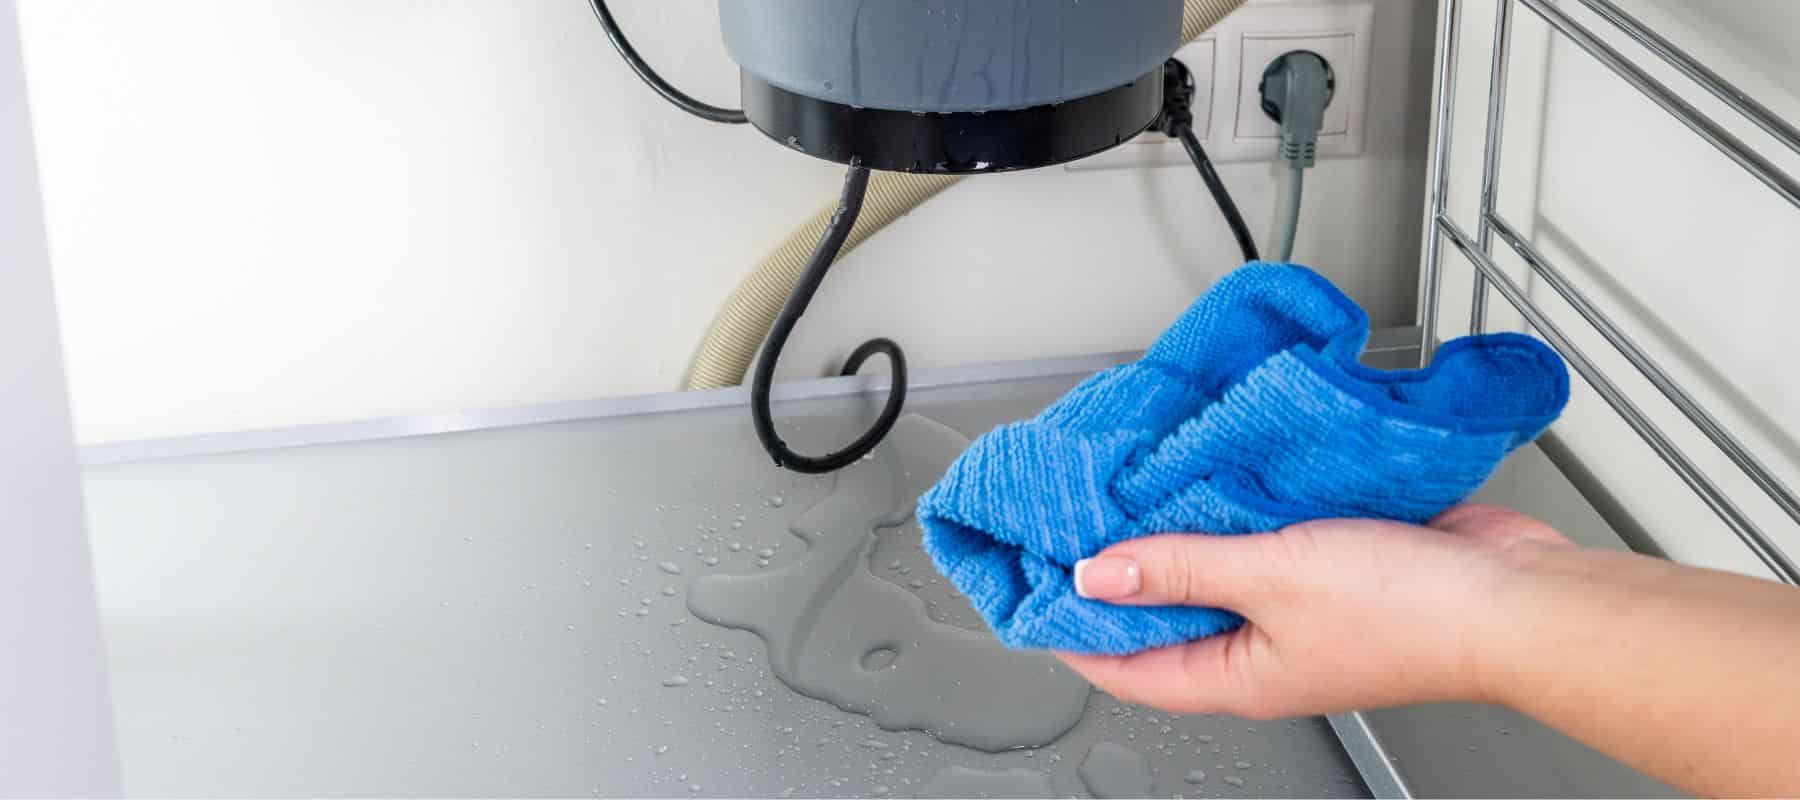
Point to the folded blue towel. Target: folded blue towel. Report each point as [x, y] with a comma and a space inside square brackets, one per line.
[1251, 413]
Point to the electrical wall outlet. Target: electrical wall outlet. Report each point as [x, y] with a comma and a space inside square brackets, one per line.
[1228, 64]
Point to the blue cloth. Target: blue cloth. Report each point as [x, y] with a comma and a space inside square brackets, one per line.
[1249, 414]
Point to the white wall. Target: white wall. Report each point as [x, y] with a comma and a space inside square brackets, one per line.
[267, 212]
[1691, 256]
[56, 735]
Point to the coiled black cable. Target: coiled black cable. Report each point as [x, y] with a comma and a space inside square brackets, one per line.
[856, 185]
[681, 100]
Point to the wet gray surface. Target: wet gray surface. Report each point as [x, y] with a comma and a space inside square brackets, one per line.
[1112, 770]
[834, 631]
[503, 613]
[965, 782]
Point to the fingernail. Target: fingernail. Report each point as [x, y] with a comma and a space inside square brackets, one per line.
[1107, 578]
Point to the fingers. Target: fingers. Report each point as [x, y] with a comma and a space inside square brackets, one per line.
[1184, 569]
[1244, 572]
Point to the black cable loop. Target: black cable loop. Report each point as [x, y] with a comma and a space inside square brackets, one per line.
[856, 185]
[711, 113]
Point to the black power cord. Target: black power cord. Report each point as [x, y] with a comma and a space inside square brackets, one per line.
[680, 99]
[1177, 121]
[856, 185]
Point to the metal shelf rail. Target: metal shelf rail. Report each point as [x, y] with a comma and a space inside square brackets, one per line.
[1478, 248]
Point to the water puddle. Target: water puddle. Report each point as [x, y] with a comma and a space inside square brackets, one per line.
[1113, 770]
[837, 632]
[966, 782]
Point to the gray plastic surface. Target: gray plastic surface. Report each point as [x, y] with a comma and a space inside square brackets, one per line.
[949, 55]
[460, 615]
[501, 612]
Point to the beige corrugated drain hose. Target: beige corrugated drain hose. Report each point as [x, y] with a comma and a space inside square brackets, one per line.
[731, 342]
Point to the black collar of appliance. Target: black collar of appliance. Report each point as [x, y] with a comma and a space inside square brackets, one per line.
[959, 143]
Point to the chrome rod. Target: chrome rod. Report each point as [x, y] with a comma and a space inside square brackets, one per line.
[1734, 148]
[1709, 80]
[1490, 155]
[1689, 407]
[1378, 769]
[1728, 512]
[1444, 96]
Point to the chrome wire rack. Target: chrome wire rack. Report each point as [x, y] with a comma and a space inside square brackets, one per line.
[1478, 247]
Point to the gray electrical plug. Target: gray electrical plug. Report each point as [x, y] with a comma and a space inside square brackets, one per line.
[1295, 90]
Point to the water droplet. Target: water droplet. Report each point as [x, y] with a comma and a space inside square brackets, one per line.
[766, 553]
[624, 581]
[874, 744]
[894, 564]
[643, 612]
[570, 627]
[777, 501]
[1241, 764]
[639, 544]
[668, 591]
[1203, 738]
[1234, 780]
[587, 584]
[661, 749]
[1195, 776]
[675, 680]
[669, 567]
[693, 787]
[735, 546]
[919, 584]
[737, 524]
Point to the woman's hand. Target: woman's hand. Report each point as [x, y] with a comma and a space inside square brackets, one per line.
[1342, 614]
[1691, 675]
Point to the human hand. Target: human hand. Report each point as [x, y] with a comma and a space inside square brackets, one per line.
[1341, 614]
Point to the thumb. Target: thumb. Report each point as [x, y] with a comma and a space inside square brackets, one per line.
[1188, 569]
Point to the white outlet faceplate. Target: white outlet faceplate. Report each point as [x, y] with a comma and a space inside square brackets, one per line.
[1228, 63]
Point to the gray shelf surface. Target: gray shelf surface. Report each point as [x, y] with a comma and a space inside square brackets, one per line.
[393, 611]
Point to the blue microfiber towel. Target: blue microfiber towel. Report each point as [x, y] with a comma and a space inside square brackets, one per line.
[1249, 414]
